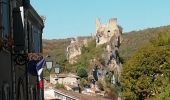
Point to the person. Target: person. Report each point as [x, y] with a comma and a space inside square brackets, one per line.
[95, 73]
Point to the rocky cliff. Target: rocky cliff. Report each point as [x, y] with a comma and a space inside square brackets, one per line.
[73, 50]
[111, 35]
[109, 32]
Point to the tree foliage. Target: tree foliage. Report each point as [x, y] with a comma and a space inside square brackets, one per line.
[135, 39]
[60, 86]
[145, 74]
[82, 72]
[88, 53]
[131, 41]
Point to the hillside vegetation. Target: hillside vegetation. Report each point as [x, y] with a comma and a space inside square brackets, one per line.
[146, 63]
[146, 74]
[131, 42]
[135, 39]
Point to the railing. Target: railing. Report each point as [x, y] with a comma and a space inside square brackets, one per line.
[62, 96]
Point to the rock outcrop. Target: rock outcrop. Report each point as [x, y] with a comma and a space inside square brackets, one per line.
[106, 33]
[73, 50]
[110, 34]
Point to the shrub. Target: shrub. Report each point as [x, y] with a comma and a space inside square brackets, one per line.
[82, 72]
[60, 86]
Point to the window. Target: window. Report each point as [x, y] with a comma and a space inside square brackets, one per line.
[18, 31]
[68, 98]
[4, 18]
[36, 39]
[57, 95]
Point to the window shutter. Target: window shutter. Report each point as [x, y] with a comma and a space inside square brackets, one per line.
[18, 31]
[4, 18]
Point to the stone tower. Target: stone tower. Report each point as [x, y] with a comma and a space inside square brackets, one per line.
[104, 32]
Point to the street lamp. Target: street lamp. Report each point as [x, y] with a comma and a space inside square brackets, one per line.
[49, 63]
[57, 71]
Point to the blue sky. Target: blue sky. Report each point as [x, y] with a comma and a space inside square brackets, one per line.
[71, 18]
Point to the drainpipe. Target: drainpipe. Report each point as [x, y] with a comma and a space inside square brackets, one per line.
[26, 51]
[12, 5]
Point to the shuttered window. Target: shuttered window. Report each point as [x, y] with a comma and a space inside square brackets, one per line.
[36, 39]
[4, 18]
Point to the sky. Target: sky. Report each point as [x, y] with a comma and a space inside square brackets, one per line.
[72, 18]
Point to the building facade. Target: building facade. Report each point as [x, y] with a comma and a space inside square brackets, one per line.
[20, 41]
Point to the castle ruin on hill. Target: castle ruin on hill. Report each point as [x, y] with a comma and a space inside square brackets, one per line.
[110, 32]
[110, 35]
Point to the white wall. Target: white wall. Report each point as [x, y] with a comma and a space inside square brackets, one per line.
[67, 81]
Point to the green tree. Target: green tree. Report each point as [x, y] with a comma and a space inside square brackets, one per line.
[144, 74]
[46, 73]
[165, 94]
[82, 72]
[89, 52]
[83, 82]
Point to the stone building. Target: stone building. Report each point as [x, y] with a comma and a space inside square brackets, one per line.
[65, 79]
[20, 35]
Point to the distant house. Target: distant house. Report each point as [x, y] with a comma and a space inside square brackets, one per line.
[69, 79]
[66, 79]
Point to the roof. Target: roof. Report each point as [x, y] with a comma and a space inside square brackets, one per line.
[67, 75]
[80, 96]
[49, 94]
[37, 17]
